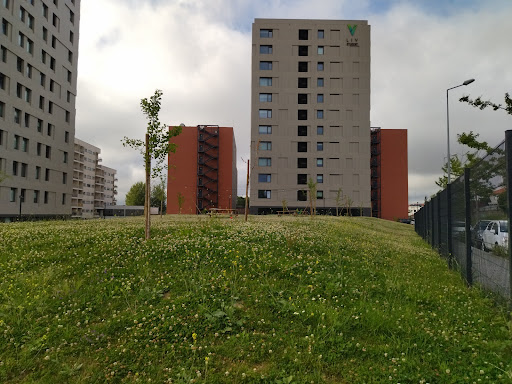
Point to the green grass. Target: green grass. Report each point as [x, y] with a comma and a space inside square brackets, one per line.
[216, 300]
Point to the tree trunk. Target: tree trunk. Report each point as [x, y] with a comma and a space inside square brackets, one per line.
[147, 205]
[247, 193]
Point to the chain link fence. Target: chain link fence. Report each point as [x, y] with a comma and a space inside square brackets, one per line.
[468, 222]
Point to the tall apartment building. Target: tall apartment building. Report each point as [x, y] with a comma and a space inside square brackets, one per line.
[94, 185]
[38, 75]
[310, 114]
[202, 172]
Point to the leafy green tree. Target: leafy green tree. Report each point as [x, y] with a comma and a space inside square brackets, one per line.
[135, 195]
[156, 146]
[159, 197]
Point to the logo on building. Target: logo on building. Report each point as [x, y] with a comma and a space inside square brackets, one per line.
[352, 29]
[352, 42]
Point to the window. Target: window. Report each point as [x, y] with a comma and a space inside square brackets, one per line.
[71, 16]
[16, 143]
[64, 157]
[24, 144]
[66, 136]
[50, 107]
[52, 63]
[48, 152]
[45, 34]
[49, 129]
[266, 33]
[303, 50]
[302, 114]
[265, 97]
[63, 199]
[67, 116]
[39, 125]
[46, 195]
[28, 95]
[320, 146]
[70, 75]
[45, 11]
[6, 3]
[265, 65]
[302, 146]
[24, 170]
[303, 34]
[41, 103]
[320, 50]
[303, 66]
[264, 162]
[320, 114]
[319, 162]
[17, 116]
[264, 178]
[265, 81]
[68, 97]
[303, 82]
[2, 81]
[302, 195]
[38, 172]
[38, 150]
[3, 54]
[36, 197]
[265, 113]
[43, 59]
[19, 90]
[15, 168]
[265, 146]
[302, 130]
[28, 73]
[321, 34]
[265, 49]
[320, 98]
[71, 37]
[52, 85]
[320, 195]
[302, 162]
[30, 46]
[320, 66]
[64, 178]
[263, 194]
[12, 196]
[2, 109]
[302, 178]
[265, 129]
[302, 98]
[5, 27]
[21, 39]
[47, 174]
[320, 82]
[55, 21]
[20, 65]
[320, 179]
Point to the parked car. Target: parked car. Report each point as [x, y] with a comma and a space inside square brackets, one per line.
[478, 231]
[496, 234]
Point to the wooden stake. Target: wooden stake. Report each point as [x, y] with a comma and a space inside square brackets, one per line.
[247, 193]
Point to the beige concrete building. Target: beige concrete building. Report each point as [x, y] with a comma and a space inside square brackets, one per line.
[38, 73]
[310, 114]
[93, 184]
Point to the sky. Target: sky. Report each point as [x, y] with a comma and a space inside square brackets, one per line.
[198, 52]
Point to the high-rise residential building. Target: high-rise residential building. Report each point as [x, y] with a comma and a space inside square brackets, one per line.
[202, 172]
[94, 185]
[310, 114]
[38, 76]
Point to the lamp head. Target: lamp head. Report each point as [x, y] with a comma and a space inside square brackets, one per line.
[468, 82]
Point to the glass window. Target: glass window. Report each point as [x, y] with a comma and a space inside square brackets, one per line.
[36, 197]
[302, 195]
[303, 82]
[303, 50]
[265, 81]
[320, 179]
[302, 98]
[265, 146]
[12, 196]
[302, 130]
[264, 162]
[302, 178]
[321, 34]
[319, 162]
[263, 194]
[302, 162]
[320, 66]
[320, 114]
[320, 50]
[266, 33]
[265, 129]
[302, 146]
[303, 34]
[320, 98]
[302, 114]
[264, 178]
[265, 49]
[265, 65]
[303, 66]
[319, 146]
[265, 113]
[265, 97]
[319, 195]
[320, 82]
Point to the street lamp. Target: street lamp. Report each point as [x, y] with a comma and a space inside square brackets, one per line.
[448, 124]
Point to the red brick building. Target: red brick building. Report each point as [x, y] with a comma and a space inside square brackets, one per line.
[202, 173]
[389, 170]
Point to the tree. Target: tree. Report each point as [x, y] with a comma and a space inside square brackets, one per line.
[181, 201]
[156, 146]
[158, 196]
[312, 196]
[339, 193]
[135, 195]
[481, 104]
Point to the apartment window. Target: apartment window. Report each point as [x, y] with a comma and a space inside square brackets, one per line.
[302, 178]
[303, 66]
[263, 194]
[265, 113]
[27, 120]
[320, 66]
[55, 21]
[46, 195]
[52, 63]
[45, 11]
[28, 73]
[302, 114]
[21, 39]
[42, 80]
[71, 37]
[64, 178]
[52, 85]
[265, 129]
[319, 162]
[303, 82]
[19, 90]
[63, 199]
[265, 49]
[28, 95]
[3, 53]
[12, 196]
[302, 195]
[49, 129]
[303, 34]
[66, 136]
[265, 97]
[320, 179]
[2, 80]
[64, 157]
[17, 116]
[302, 146]
[30, 46]
[320, 98]
[15, 168]
[320, 146]
[302, 98]
[48, 152]
[71, 16]
[303, 50]
[302, 162]
[30, 21]
[45, 34]
[43, 58]
[36, 197]
[67, 117]
[24, 170]
[47, 174]
[319, 195]
[41, 103]
[1, 143]
[267, 33]
[38, 149]
[264, 178]
[70, 56]
[50, 107]
[2, 109]
[6, 3]
[39, 125]
[320, 82]
[20, 64]
[5, 27]
[265, 65]
[321, 34]
[302, 130]
[265, 146]
[264, 162]
[38, 172]
[265, 81]
[320, 114]
[320, 50]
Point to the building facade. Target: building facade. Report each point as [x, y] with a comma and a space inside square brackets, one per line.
[202, 173]
[38, 81]
[310, 114]
[94, 185]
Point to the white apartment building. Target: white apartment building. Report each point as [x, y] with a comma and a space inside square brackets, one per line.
[310, 114]
[38, 81]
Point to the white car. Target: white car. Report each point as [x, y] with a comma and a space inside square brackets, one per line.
[495, 234]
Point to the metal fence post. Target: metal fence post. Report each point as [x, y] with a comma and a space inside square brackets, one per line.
[467, 199]
[438, 199]
[508, 161]
[449, 223]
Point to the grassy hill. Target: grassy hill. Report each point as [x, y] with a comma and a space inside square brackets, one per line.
[216, 300]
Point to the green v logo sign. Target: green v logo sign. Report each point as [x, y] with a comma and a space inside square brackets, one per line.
[352, 29]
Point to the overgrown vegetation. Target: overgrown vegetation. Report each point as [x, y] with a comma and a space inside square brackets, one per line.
[210, 300]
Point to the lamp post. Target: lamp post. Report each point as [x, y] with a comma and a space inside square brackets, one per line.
[448, 125]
